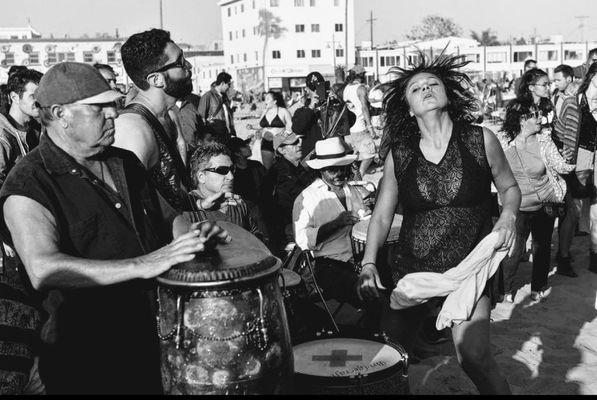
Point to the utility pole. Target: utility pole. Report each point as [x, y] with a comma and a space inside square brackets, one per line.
[581, 26]
[346, 66]
[161, 16]
[371, 20]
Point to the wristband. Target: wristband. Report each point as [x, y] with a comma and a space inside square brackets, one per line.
[369, 263]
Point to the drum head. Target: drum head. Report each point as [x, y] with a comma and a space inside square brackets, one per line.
[289, 278]
[344, 357]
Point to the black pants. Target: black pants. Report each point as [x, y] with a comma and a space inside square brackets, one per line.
[541, 226]
[338, 280]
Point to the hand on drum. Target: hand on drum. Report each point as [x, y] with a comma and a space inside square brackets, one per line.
[506, 226]
[346, 218]
[201, 236]
[369, 283]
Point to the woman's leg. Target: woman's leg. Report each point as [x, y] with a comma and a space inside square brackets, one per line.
[402, 326]
[542, 229]
[510, 264]
[471, 341]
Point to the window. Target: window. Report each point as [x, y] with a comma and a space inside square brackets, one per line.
[300, 54]
[475, 58]
[253, 4]
[231, 59]
[312, 3]
[520, 56]
[573, 55]
[88, 56]
[34, 58]
[274, 3]
[390, 61]
[497, 57]
[548, 55]
[244, 33]
[316, 53]
[382, 61]
[339, 28]
[365, 62]
[336, 3]
[229, 11]
[256, 56]
[111, 55]
[245, 57]
[314, 27]
[51, 58]
[276, 54]
[299, 28]
[299, 3]
[339, 52]
[230, 34]
[371, 61]
[413, 59]
[9, 58]
[242, 8]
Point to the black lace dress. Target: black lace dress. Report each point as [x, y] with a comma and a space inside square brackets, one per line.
[447, 206]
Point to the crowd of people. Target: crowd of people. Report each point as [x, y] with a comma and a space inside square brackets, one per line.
[102, 191]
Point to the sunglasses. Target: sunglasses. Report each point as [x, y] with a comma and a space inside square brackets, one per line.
[533, 114]
[180, 62]
[223, 170]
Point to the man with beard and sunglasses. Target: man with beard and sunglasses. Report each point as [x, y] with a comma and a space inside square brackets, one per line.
[324, 214]
[159, 70]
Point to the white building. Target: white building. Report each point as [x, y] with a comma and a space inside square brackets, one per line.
[19, 33]
[492, 61]
[206, 67]
[315, 37]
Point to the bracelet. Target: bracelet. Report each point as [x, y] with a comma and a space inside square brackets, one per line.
[369, 263]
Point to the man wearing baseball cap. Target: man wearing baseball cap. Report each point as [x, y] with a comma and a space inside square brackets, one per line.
[361, 133]
[324, 214]
[88, 228]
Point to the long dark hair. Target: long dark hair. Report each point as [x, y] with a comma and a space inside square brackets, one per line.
[582, 89]
[524, 95]
[278, 98]
[515, 111]
[462, 104]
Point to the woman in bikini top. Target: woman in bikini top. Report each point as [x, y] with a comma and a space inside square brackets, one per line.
[276, 119]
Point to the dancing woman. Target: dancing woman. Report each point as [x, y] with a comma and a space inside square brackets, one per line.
[441, 167]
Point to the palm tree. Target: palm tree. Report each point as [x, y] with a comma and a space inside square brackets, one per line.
[269, 27]
[486, 38]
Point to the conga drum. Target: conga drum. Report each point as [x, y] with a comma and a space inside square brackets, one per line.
[222, 323]
[331, 364]
[358, 240]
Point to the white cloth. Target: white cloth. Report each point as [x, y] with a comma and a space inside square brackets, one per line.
[316, 206]
[353, 103]
[463, 285]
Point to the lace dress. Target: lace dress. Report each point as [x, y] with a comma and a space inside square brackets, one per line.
[447, 206]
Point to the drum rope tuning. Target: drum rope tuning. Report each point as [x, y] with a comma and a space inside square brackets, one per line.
[255, 332]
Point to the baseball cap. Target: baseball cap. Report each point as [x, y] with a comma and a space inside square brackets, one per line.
[72, 82]
[357, 69]
[284, 138]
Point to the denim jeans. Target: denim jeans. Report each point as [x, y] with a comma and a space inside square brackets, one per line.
[541, 226]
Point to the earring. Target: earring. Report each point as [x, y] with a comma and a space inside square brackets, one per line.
[412, 114]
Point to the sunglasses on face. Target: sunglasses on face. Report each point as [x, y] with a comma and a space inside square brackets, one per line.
[180, 62]
[223, 170]
[533, 114]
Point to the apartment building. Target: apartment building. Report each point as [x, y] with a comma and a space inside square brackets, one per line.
[313, 36]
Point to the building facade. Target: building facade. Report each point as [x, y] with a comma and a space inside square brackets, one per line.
[490, 61]
[305, 36]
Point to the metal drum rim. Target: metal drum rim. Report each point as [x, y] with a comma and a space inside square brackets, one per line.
[224, 282]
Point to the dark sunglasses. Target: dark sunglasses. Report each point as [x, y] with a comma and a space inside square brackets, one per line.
[337, 169]
[223, 170]
[297, 141]
[180, 62]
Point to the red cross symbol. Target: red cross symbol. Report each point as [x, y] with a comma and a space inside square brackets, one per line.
[338, 358]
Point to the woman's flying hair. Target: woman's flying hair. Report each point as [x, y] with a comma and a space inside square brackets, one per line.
[462, 104]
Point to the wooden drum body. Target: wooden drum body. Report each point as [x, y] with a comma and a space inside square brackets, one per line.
[222, 322]
[358, 241]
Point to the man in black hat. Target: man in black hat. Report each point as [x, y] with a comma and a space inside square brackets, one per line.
[89, 230]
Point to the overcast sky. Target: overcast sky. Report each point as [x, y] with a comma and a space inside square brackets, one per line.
[198, 21]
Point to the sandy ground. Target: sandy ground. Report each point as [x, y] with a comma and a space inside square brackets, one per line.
[547, 347]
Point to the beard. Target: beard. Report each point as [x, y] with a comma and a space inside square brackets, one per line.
[179, 88]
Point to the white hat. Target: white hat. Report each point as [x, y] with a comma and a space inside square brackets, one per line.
[330, 153]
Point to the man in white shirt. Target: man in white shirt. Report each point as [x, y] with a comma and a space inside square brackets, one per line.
[323, 216]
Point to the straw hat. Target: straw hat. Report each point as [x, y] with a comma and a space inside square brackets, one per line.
[330, 153]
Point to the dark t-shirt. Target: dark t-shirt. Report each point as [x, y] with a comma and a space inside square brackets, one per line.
[106, 339]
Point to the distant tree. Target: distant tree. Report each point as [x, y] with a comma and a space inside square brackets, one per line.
[486, 38]
[434, 27]
[269, 27]
[520, 41]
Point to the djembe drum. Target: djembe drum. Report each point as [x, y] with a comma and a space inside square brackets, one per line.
[222, 322]
[358, 241]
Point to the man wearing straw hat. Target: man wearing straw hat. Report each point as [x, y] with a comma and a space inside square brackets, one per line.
[323, 216]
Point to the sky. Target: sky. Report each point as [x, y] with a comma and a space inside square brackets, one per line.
[198, 21]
